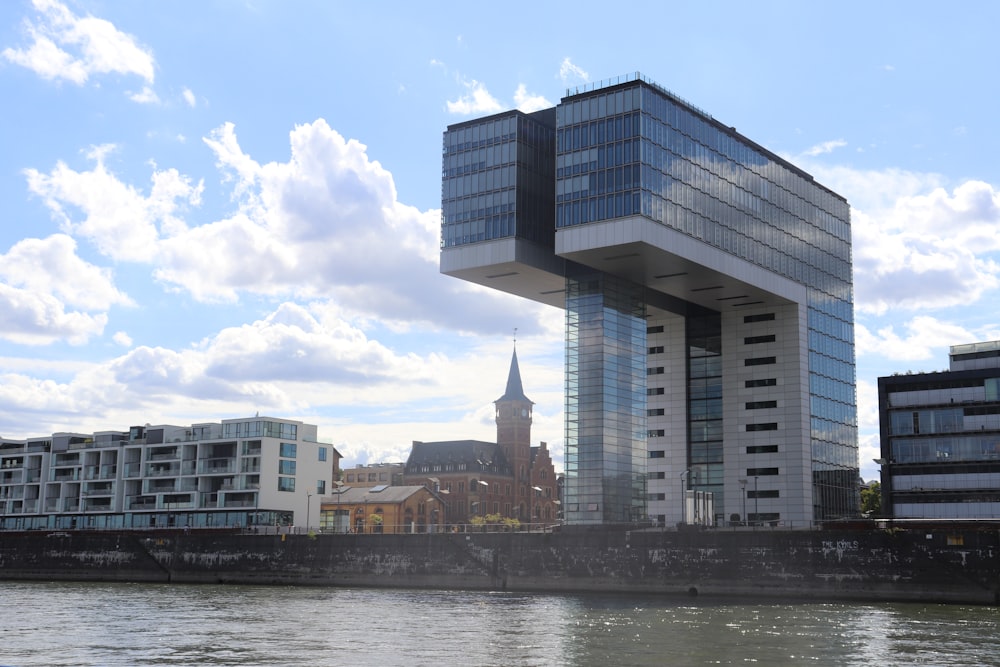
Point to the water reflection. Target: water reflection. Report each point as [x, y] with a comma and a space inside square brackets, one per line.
[137, 625]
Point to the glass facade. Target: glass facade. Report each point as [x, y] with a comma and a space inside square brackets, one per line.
[634, 149]
[940, 437]
[705, 443]
[496, 179]
[605, 400]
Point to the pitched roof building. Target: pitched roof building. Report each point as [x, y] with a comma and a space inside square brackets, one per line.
[507, 479]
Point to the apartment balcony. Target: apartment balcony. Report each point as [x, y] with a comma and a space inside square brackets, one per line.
[64, 475]
[216, 467]
[163, 470]
[140, 503]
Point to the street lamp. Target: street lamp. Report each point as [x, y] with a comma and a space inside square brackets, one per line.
[308, 501]
[756, 501]
[743, 494]
[683, 498]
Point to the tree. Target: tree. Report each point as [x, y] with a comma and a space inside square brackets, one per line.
[871, 500]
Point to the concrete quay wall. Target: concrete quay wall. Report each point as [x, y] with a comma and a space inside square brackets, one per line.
[930, 565]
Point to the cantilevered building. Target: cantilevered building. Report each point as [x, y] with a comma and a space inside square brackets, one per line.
[708, 295]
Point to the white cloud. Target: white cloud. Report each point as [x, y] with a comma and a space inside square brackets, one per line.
[826, 147]
[929, 251]
[32, 318]
[298, 360]
[920, 339]
[116, 217]
[51, 266]
[476, 100]
[528, 103]
[72, 48]
[122, 338]
[570, 73]
[42, 281]
[145, 96]
[189, 97]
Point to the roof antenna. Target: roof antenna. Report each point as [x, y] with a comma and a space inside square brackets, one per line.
[515, 336]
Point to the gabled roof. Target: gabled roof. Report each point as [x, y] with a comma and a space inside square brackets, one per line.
[515, 392]
[376, 494]
[475, 454]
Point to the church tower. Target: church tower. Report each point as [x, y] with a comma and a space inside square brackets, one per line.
[513, 415]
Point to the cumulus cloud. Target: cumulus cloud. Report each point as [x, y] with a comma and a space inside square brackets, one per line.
[476, 100]
[72, 48]
[48, 293]
[325, 224]
[919, 340]
[528, 103]
[295, 360]
[189, 97]
[929, 251]
[119, 219]
[145, 96]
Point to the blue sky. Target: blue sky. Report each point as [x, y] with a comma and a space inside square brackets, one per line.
[221, 208]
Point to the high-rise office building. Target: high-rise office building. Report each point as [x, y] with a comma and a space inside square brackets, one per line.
[941, 438]
[708, 295]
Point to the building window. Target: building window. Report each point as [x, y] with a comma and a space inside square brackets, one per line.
[350, 477]
[751, 340]
[383, 477]
[286, 467]
[656, 475]
[321, 486]
[655, 433]
[770, 493]
[286, 484]
[371, 477]
[762, 449]
[654, 391]
[760, 361]
[656, 454]
[654, 412]
[761, 472]
[758, 405]
[772, 426]
[657, 329]
[658, 370]
[656, 496]
[322, 453]
[657, 349]
[765, 382]
[763, 317]
[461, 487]
[287, 450]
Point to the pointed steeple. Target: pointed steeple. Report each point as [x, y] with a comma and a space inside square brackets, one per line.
[515, 392]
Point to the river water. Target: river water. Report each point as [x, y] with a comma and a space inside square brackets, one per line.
[57, 624]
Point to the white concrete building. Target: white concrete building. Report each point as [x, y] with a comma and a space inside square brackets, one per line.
[257, 471]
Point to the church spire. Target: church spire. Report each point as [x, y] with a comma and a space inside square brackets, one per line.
[515, 392]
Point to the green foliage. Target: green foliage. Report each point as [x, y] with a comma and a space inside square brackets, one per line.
[871, 500]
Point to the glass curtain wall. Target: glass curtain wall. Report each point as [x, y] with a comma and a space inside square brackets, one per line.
[605, 400]
[667, 161]
[496, 179]
[705, 447]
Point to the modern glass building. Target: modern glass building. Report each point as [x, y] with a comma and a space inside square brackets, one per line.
[708, 294]
[941, 438]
